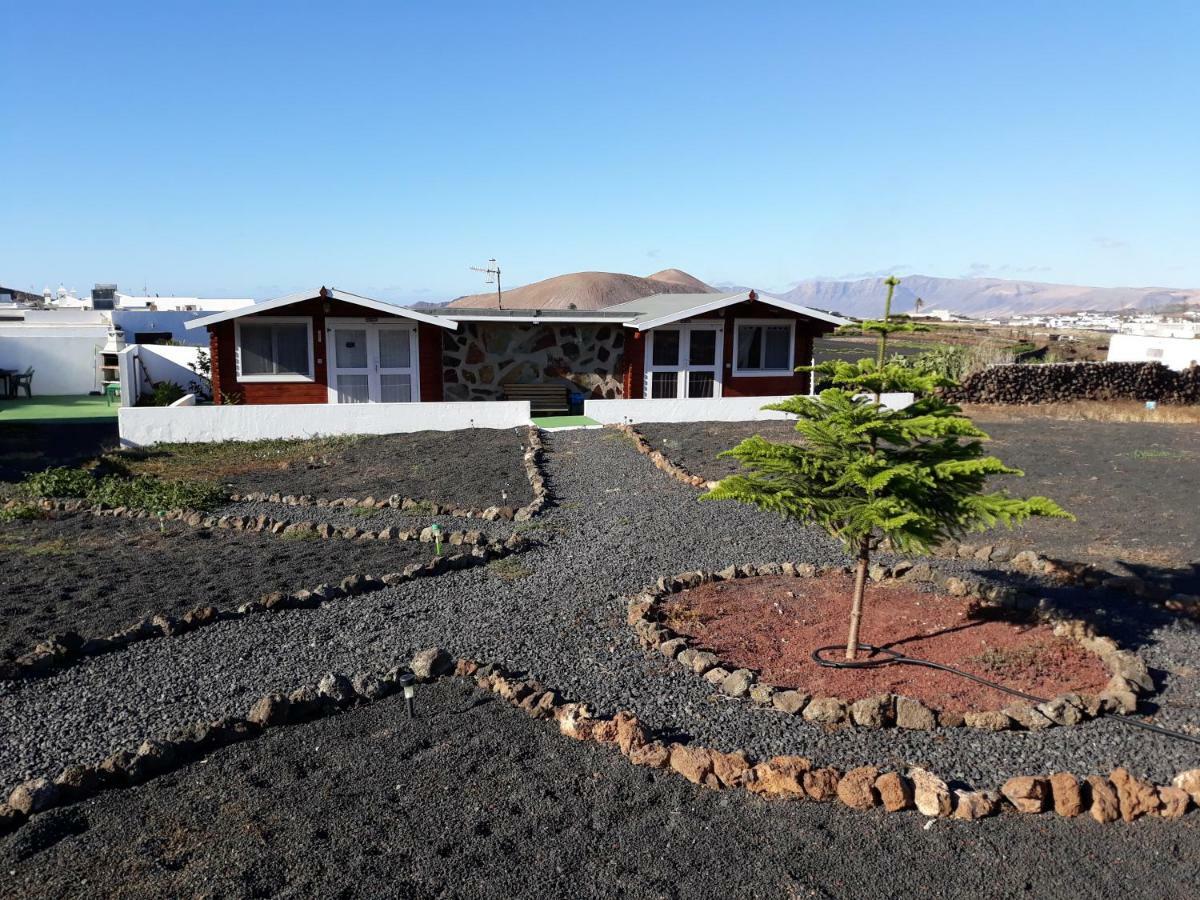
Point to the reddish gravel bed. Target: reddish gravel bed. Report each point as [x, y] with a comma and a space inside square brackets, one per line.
[771, 625]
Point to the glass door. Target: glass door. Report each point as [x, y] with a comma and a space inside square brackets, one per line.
[683, 362]
[349, 369]
[372, 362]
[396, 354]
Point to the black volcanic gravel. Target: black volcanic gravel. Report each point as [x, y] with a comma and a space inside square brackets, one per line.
[96, 576]
[618, 525]
[474, 467]
[472, 799]
[1133, 486]
[697, 446]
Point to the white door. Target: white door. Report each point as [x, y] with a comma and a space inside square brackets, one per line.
[683, 362]
[372, 362]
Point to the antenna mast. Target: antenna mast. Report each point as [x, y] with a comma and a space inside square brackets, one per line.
[493, 268]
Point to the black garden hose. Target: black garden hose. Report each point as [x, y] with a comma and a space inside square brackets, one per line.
[893, 658]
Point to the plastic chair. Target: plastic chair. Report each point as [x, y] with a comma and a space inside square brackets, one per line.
[22, 382]
[112, 391]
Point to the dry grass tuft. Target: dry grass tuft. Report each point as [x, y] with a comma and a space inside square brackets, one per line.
[1086, 411]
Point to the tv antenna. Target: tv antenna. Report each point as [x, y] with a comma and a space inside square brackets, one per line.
[492, 268]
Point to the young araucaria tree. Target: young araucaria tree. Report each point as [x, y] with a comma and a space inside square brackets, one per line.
[866, 473]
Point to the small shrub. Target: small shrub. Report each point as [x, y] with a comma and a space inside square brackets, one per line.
[59, 482]
[509, 569]
[23, 512]
[165, 393]
[142, 492]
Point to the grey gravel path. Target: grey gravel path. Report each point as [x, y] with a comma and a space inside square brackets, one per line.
[619, 524]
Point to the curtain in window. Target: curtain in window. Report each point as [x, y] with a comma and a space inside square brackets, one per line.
[291, 348]
[777, 353]
[256, 350]
[749, 349]
[274, 348]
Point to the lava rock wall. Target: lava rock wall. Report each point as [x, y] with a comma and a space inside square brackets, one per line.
[481, 358]
[1079, 381]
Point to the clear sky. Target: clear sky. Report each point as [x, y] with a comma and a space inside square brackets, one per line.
[253, 148]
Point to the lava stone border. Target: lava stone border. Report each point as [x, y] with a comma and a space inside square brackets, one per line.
[63, 650]
[662, 462]
[1120, 795]
[533, 471]
[1130, 677]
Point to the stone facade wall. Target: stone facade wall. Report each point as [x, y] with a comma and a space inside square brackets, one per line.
[1079, 381]
[481, 358]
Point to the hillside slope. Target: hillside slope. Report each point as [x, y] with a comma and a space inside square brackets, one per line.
[982, 297]
[588, 290]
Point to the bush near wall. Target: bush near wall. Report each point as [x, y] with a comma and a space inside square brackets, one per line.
[1079, 381]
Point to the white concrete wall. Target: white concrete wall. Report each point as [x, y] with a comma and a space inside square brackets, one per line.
[131, 321]
[163, 363]
[1174, 353]
[63, 356]
[721, 409]
[142, 426]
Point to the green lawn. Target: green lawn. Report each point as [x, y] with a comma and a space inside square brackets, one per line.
[62, 409]
[552, 422]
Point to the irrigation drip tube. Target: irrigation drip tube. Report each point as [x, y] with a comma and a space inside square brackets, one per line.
[887, 657]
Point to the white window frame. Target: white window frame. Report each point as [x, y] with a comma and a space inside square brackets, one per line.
[764, 373]
[274, 320]
[683, 367]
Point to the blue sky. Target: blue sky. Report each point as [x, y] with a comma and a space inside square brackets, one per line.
[255, 148]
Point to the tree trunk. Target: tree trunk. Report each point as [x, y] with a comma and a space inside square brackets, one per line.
[860, 588]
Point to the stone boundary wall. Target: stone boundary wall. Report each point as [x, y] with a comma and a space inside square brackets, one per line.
[65, 649]
[1062, 382]
[1130, 677]
[1120, 795]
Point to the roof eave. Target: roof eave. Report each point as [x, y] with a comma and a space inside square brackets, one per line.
[330, 293]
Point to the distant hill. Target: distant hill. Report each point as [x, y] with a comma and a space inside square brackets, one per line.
[588, 290]
[983, 297]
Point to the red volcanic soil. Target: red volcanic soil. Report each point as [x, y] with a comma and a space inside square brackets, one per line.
[772, 624]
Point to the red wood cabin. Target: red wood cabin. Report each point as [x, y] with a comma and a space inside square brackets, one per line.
[332, 346]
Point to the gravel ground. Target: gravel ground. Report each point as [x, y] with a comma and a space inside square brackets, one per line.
[1133, 487]
[96, 576]
[697, 445]
[33, 446]
[471, 468]
[618, 525]
[472, 799]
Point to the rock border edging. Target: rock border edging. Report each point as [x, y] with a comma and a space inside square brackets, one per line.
[63, 650]
[1130, 677]
[1104, 798]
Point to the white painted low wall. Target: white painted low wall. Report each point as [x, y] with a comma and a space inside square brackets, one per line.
[142, 426]
[721, 409]
[1174, 353]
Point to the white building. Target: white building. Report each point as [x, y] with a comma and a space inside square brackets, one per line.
[1174, 353]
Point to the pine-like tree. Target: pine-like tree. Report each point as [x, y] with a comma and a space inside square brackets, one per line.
[866, 473]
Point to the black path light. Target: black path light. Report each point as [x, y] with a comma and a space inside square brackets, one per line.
[407, 682]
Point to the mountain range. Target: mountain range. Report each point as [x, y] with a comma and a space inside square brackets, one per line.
[975, 297]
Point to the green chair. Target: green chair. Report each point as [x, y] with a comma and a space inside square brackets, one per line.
[112, 391]
[22, 381]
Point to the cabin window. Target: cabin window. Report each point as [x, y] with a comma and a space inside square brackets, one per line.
[763, 347]
[274, 349]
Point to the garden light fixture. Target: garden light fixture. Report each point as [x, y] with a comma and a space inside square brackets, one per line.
[436, 530]
[407, 683]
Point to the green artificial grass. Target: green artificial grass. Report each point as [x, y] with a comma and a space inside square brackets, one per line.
[551, 422]
[56, 409]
